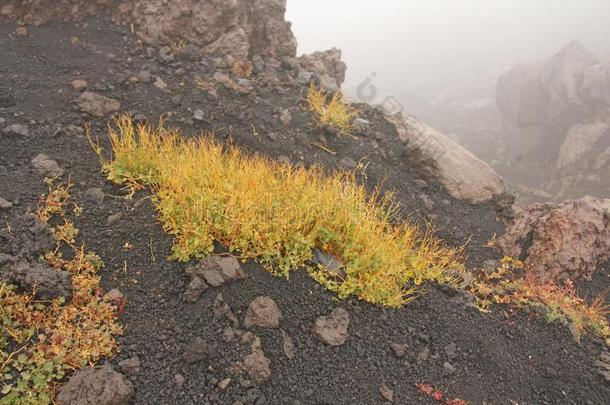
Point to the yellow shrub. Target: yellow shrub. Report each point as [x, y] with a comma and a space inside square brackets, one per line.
[276, 213]
[333, 112]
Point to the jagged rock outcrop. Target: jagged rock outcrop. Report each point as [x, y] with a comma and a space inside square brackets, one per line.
[463, 175]
[556, 116]
[559, 242]
[327, 65]
[241, 28]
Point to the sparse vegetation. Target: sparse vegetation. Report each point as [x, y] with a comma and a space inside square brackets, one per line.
[242, 69]
[40, 342]
[276, 213]
[429, 391]
[331, 111]
[511, 284]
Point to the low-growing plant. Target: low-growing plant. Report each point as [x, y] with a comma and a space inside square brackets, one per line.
[330, 110]
[511, 284]
[49, 339]
[277, 213]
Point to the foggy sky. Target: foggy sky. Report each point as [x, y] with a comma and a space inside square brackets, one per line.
[429, 45]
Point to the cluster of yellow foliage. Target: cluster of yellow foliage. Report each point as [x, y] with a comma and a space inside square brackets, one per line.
[511, 284]
[276, 213]
[331, 111]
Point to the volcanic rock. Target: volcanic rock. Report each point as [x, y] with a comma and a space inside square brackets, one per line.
[45, 281]
[97, 105]
[240, 28]
[559, 242]
[17, 130]
[327, 65]
[262, 313]
[332, 328]
[46, 167]
[102, 386]
[217, 270]
[463, 175]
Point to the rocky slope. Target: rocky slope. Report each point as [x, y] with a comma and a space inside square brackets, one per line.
[222, 332]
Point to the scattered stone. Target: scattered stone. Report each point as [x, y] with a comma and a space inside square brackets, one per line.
[113, 218]
[217, 270]
[257, 365]
[95, 194]
[332, 329]
[97, 105]
[224, 384]
[130, 366]
[286, 117]
[114, 295]
[195, 351]
[386, 393]
[21, 31]
[329, 263]
[348, 163]
[427, 202]
[179, 380]
[198, 115]
[102, 386]
[262, 313]
[79, 85]
[189, 53]
[160, 84]
[421, 183]
[73, 131]
[47, 282]
[145, 76]
[27, 237]
[46, 167]
[448, 368]
[423, 356]
[5, 204]
[222, 310]
[288, 346]
[361, 125]
[17, 130]
[399, 350]
[166, 55]
[194, 290]
[451, 351]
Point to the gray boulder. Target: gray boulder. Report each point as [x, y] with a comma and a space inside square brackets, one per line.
[462, 174]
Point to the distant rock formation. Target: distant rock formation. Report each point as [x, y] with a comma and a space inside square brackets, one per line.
[557, 115]
[463, 175]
